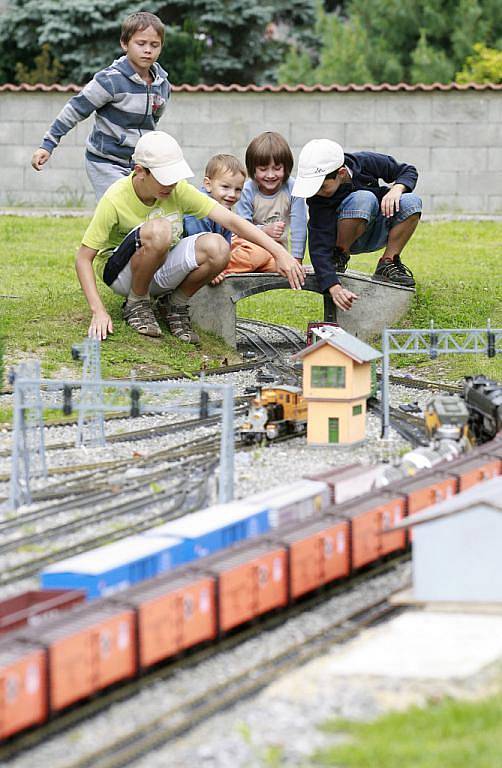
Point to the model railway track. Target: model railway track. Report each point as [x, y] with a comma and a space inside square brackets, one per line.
[206, 444]
[411, 428]
[168, 507]
[290, 335]
[266, 349]
[189, 713]
[112, 507]
[107, 490]
[240, 404]
[412, 383]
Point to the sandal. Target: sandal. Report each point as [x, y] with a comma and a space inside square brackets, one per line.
[139, 315]
[177, 318]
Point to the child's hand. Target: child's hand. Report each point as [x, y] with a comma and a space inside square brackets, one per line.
[342, 297]
[101, 325]
[290, 268]
[390, 202]
[218, 279]
[39, 159]
[275, 229]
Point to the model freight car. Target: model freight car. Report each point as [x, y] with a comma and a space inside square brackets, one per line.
[106, 641]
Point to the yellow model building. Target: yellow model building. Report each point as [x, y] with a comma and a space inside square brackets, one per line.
[336, 384]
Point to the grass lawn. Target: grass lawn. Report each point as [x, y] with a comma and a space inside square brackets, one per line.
[457, 266]
[452, 734]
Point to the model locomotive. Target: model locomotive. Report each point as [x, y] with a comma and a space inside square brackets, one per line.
[483, 398]
[278, 411]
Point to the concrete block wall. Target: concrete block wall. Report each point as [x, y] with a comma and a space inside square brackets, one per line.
[454, 138]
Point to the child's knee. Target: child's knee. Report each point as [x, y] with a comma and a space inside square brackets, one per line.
[409, 205]
[157, 235]
[212, 249]
[361, 204]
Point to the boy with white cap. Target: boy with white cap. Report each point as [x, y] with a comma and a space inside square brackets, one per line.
[136, 238]
[350, 212]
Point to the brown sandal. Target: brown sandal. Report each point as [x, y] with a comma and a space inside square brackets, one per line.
[139, 315]
[177, 318]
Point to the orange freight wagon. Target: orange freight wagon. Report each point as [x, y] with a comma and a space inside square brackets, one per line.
[174, 612]
[319, 553]
[424, 490]
[251, 580]
[471, 471]
[370, 515]
[92, 647]
[23, 686]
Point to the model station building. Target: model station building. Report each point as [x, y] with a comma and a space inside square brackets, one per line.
[336, 385]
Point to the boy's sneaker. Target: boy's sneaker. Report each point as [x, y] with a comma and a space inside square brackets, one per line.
[139, 315]
[394, 272]
[340, 259]
[177, 318]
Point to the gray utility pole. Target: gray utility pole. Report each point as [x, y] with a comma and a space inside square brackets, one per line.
[28, 447]
[91, 422]
[226, 488]
[433, 342]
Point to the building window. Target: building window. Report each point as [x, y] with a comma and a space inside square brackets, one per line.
[328, 376]
[357, 410]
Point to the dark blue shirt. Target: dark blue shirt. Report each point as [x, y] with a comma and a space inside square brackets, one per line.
[367, 169]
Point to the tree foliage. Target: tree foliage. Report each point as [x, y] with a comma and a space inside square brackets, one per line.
[394, 40]
[484, 66]
[46, 68]
[206, 40]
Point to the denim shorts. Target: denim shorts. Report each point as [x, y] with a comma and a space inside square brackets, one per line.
[363, 204]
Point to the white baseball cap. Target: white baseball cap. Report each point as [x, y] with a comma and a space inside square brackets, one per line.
[317, 158]
[162, 155]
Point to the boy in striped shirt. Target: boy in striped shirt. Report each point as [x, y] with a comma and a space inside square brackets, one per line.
[128, 99]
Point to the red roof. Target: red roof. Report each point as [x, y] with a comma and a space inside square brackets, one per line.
[300, 88]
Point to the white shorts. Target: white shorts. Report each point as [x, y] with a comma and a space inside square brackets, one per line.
[180, 261]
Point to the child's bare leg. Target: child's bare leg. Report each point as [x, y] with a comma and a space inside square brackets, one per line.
[137, 311]
[155, 241]
[348, 231]
[212, 254]
[399, 236]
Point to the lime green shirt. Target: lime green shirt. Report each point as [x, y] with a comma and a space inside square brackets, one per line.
[120, 210]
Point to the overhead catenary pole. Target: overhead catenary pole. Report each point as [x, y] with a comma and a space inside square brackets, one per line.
[385, 385]
[226, 489]
[28, 445]
[90, 414]
[433, 342]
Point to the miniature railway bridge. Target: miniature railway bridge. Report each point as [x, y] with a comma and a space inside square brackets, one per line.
[380, 304]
